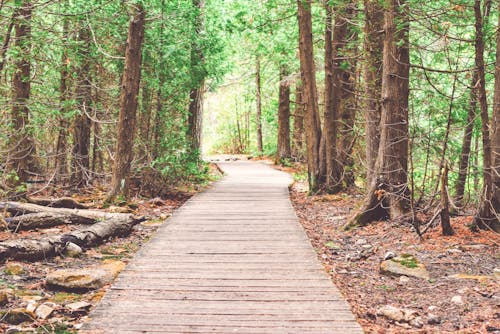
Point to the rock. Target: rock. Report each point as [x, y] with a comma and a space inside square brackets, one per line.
[397, 314]
[72, 250]
[43, 311]
[496, 272]
[432, 308]
[78, 306]
[417, 322]
[31, 306]
[360, 242]
[459, 300]
[404, 279]
[389, 255]
[4, 297]
[463, 290]
[14, 268]
[433, 319]
[406, 265]
[16, 316]
[85, 279]
[367, 246]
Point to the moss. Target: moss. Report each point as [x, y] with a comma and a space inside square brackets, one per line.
[65, 297]
[406, 260]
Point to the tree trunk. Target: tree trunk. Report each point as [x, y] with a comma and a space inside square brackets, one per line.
[284, 151]
[446, 228]
[6, 41]
[332, 101]
[489, 211]
[388, 194]
[258, 115]
[310, 95]
[80, 161]
[345, 83]
[128, 103]
[61, 163]
[22, 148]
[466, 145]
[198, 75]
[298, 123]
[372, 72]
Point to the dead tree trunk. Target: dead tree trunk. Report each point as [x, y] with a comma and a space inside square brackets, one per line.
[284, 151]
[488, 215]
[198, 75]
[22, 148]
[332, 101]
[128, 103]
[310, 95]
[80, 161]
[388, 194]
[372, 72]
[258, 98]
[463, 166]
[298, 123]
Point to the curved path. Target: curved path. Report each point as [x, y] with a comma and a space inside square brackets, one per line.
[233, 259]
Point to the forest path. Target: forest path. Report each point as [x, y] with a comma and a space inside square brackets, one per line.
[233, 259]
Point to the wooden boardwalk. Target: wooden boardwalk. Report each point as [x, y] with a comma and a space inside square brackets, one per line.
[233, 259]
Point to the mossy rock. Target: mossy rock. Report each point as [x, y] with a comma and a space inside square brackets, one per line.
[17, 315]
[406, 265]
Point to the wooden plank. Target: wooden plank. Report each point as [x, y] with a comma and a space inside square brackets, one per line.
[233, 259]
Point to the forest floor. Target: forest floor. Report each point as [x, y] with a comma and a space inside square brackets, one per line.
[467, 303]
[23, 284]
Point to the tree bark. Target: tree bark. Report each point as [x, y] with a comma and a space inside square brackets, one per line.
[128, 103]
[80, 160]
[284, 151]
[298, 123]
[332, 101]
[372, 72]
[488, 215]
[198, 75]
[446, 228]
[258, 115]
[6, 41]
[310, 95]
[344, 86]
[388, 194]
[61, 163]
[22, 148]
[463, 166]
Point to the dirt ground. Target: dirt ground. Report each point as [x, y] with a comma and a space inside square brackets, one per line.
[445, 304]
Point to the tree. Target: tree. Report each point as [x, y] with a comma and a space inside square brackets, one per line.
[128, 102]
[298, 123]
[284, 151]
[22, 148]
[488, 213]
[310, 95]
[372, 77]
[388, 193]
[198, 75]
[258, 101]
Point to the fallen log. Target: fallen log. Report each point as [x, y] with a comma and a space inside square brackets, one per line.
[18, 208]
[33, 221]
[61, 202]
[29, 249]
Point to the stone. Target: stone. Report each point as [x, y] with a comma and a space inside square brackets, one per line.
[496, 272]
[432, 308]
[417, 322]
[31, 306]
[85, 279]
[433, 319]
[459, 300]
[14, 268]
[367, 246]
[406, 265]
[479, 278]
[43, 311]
[463, 290]
[79, 306]
[397, 314]
[404, 279]
[389, 255]
[4, 297]
[72, 250]
[16, 316]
